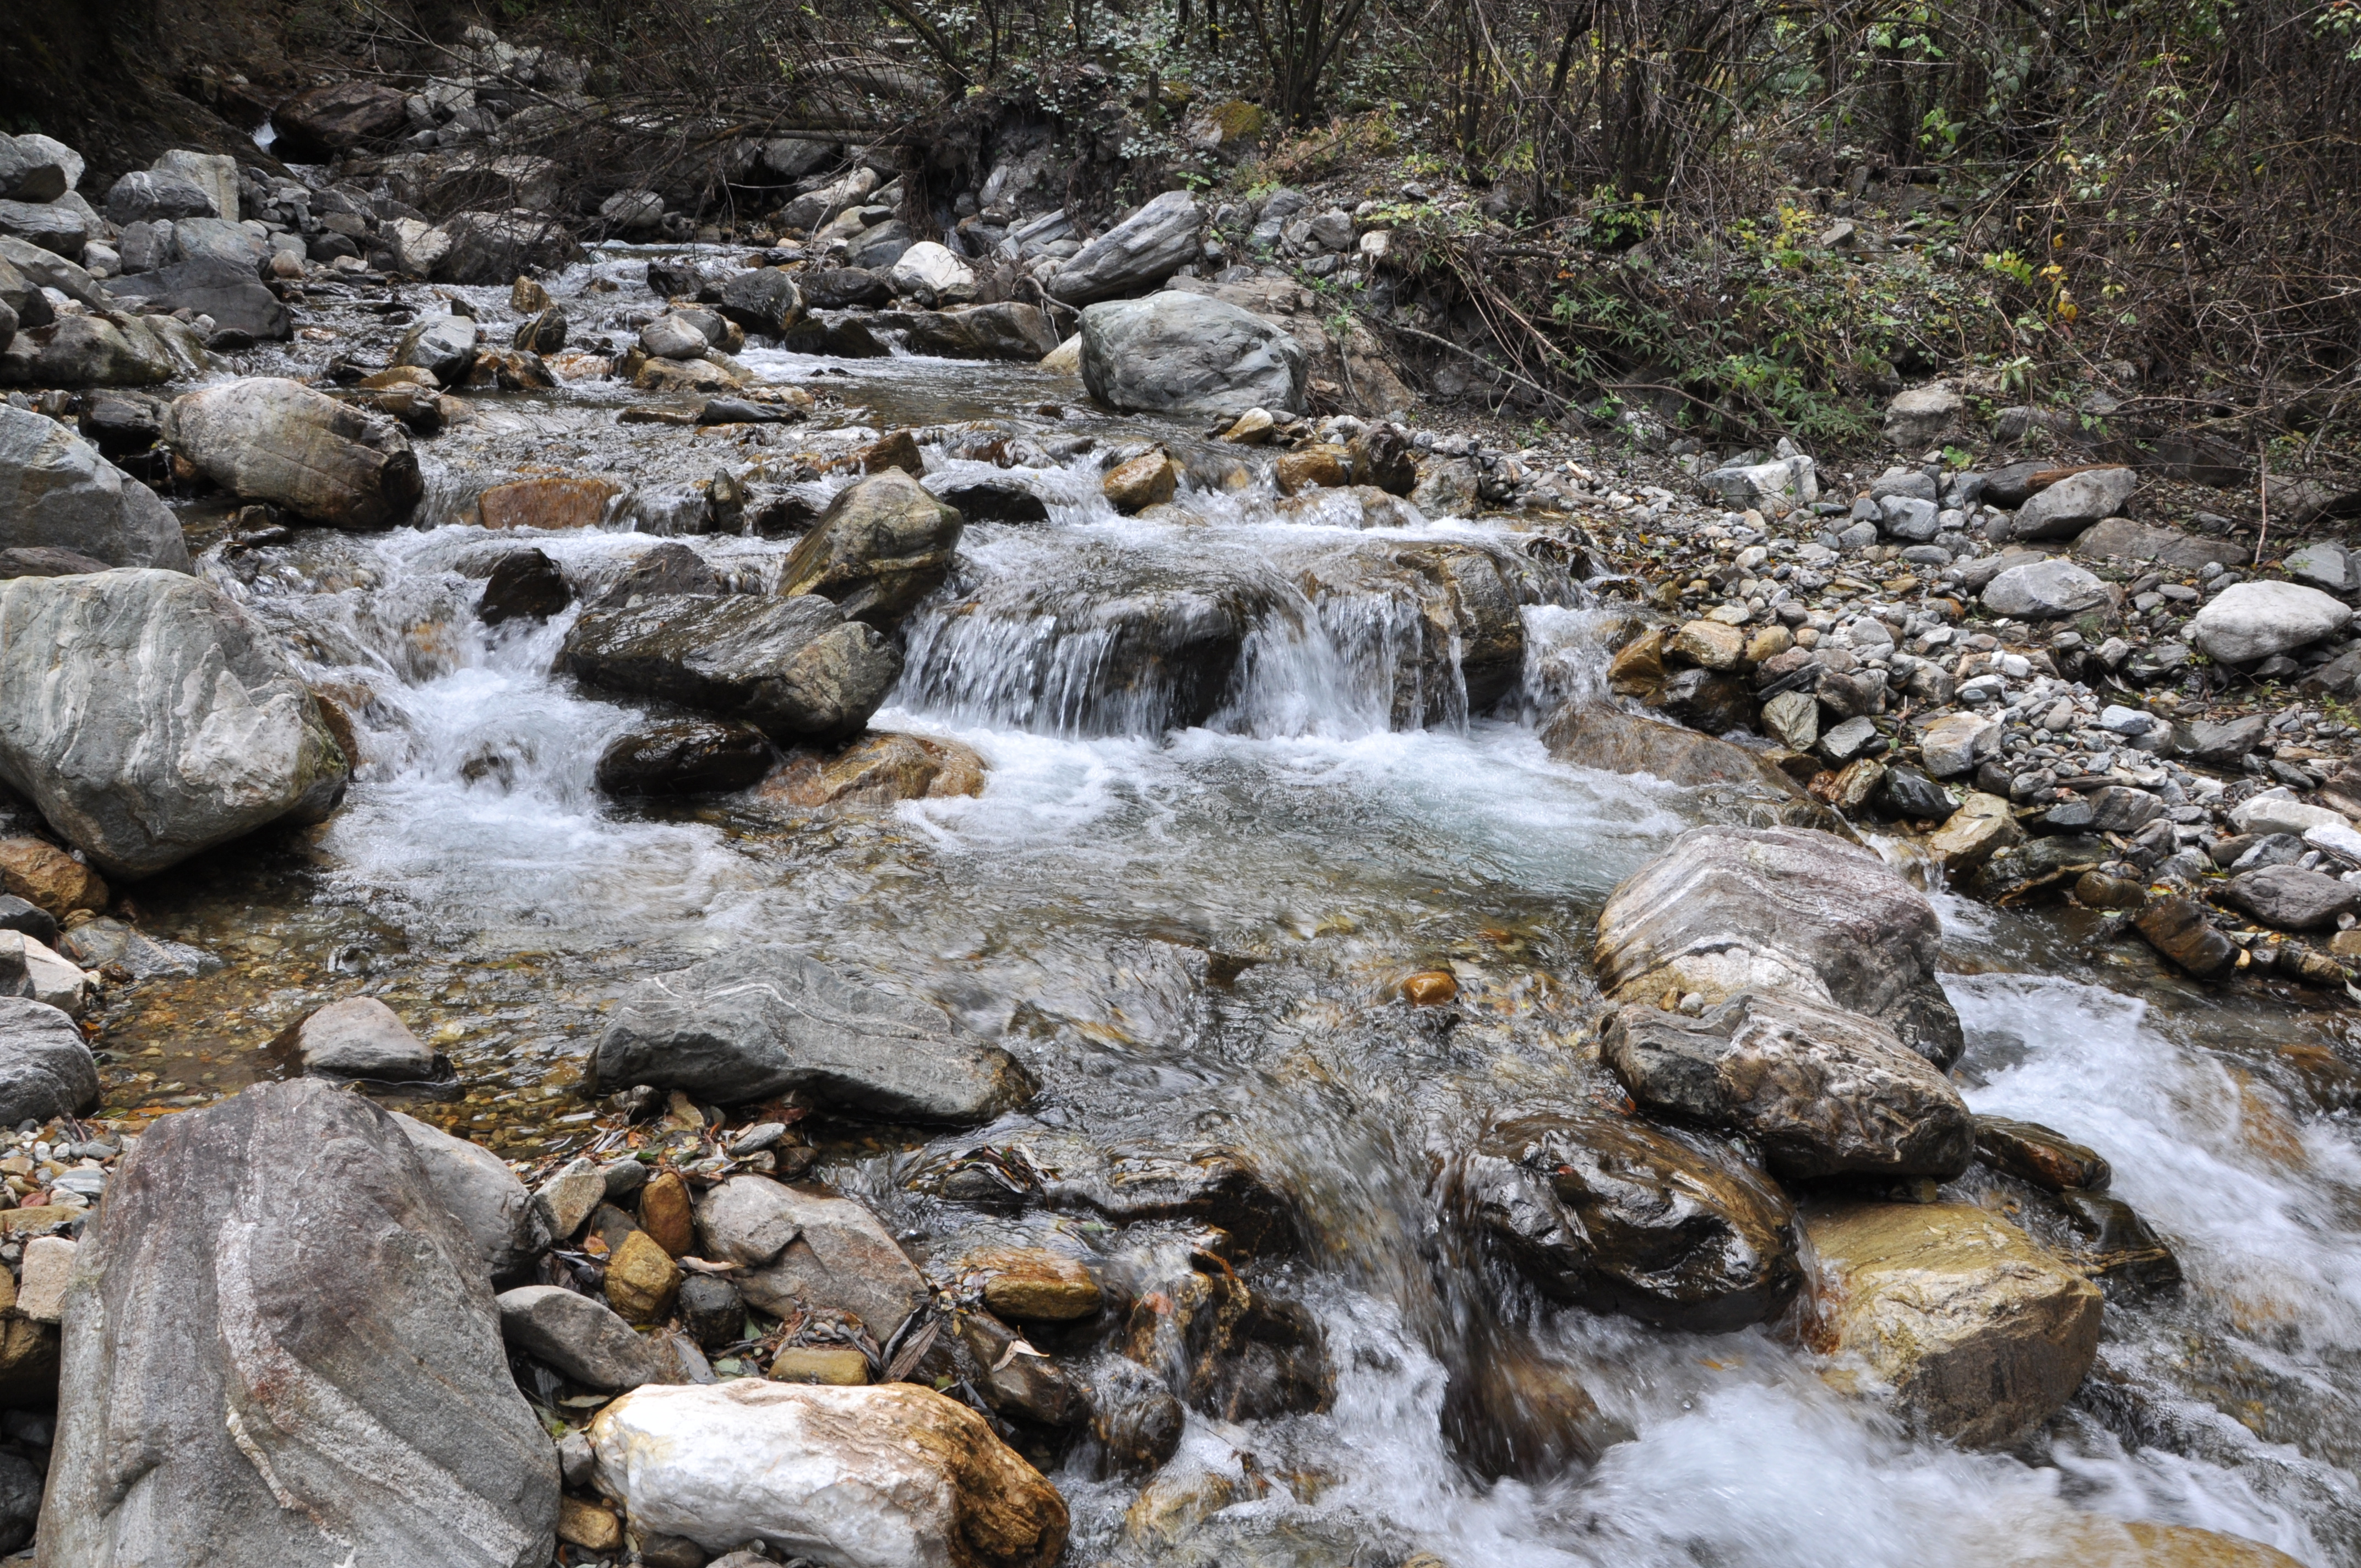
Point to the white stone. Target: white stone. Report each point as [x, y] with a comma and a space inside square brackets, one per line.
[2254, 620]
[41, 1292]
[215, 173]
[2041, 590]
[2278, 811]
[929, 273]
[2338, 839]
[2127, 720]
[1955, 743]
[1779, 487]
[1922, 415]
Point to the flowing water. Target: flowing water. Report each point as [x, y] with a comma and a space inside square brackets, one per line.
[1193, 934]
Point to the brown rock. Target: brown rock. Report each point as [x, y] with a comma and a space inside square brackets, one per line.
[1768, 643]
[2096, 890]
[880, 770]
[1708, 644]
[839, 1366]
[1981, 1334]
[1849, 788]
[898, 450]
[587, 1525]
[28, 1361]
[641, 1279]
[2037, 1154]
[1615, 741]
[400, 376]
[1149, 480]
[1982, 824]
[40, 872]
[668, 1214]
[1312, 467]
[1030, 1285]
[527, 298]
[1638, 667]
[1430, 988]
[2094, 1541]
[551, 503]
[2177, 927]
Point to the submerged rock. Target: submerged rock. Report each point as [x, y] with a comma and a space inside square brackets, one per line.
[881, 771]
[1603, 1212]
[149, 719]
[329, 1385]
[1733, 909]
[359, 1037]
[795, 667]
[883, 544]
[1589, 735]
[1981, 1334]
[57, 492]
[524, 585]
[888, 1477]
[266, 439]
[763, 1020]
[1820, 1092]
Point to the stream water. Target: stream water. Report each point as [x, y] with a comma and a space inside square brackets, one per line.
[1195, 936]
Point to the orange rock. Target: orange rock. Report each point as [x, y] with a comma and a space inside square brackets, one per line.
[880, 770]
[40, 872]
[400, 376]
[641, 1279]
[1312, 467]
[668, 1216]
[899, 450]
[1149, 479]
[1034, 1286]
[552, 503]
[588, 1526]
[1430, 988]
[839, 1365]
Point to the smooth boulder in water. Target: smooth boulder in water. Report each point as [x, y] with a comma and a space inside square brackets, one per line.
[1820, 1092]
[683, 756]
[761, 1020]
[1188, 353]
[883, 544]
[895, 1476]
[148, 718]
[1604, 1211]
[57, 492]
[1727, 910]
[267, 439]
[794, 667]
[278, 1348]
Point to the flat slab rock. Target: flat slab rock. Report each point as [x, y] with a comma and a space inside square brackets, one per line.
[1821, 1092]
[761, 1020]
[1728, 910]
[328, 1384]
[803, 1246]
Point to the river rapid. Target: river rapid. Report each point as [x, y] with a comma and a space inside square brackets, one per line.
[1194, 937]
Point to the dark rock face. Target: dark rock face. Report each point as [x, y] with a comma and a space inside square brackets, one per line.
[493, 247]
[795, 667]
[2034, 1153]
[1820, 1092]
[525, 585]
[845, 289]
[1007, 331]
[1733, 909]
[2177, 927]
[996, 500]
[1670, 1227]
[685, 756]
[218, 287]
[317, 124]
[762, 298]
[44, 1069]
[667, 569]
[882, 545]
[763, 1020]
[327, 1385]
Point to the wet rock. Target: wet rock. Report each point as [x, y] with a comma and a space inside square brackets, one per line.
[1029, 1285]
[1981, 1334]
[2105, 1238]
[763, 1020]
[509, 1229]
[28, 920]
[320, 121]
[579, 1337]
[2065, 508]
[1134, 1418]
[880, 247]
[2255, 621]
[883, 544]
[1134, 255]
[641, 1279]
[1510, 1412]
[103, 351]
[2177, 927]
[1189, 354]
[45, 875]
[1819, 1092]
[442, 346]
[997, 500]
[795, 667]
[1611, 741]
[552, 502]
[1445, 489]
[149, 719]
[1983, 826]
[838, 335]
[544, 332]
[1670, 1227]
[266, 439]
[57, 492]
[881, 771]
[1733, 909]
[674, 337]
[524, 585]
[2041, 590]
[1381, 455]
[683, 756]
[1006, 330]
[1149, 480]
[884, 1476]
[1908, 793]
[2291, 899]
[843, 288]
[359, 1037]
[490, 247]
[1016, 1379]
[45, 1069]
[2034, 1153]
[330, 1384]
[762, 298]
[665, 571]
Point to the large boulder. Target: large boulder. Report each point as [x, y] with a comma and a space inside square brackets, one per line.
[48, 270]
[145, 195]
[149, 719]
[493, 247]
[802, 1249]
[2072, 504]
[883, 544]
[328, 1386]
[1980, 1334]
[1735, 909]
[218, 286]
[762, 298]
[2255, 621]
[2290, 898]
[57, 492]
[267, 439]
[1818, 1091]
[1005, 330]
[930, 274]
[895, 1476]
[36, 169]
[1136, 255]
[761, 1020]
[509, 1229]
[795, 667]
[2044, 590]
[1187, 353]
[321, 122]
[58, 227]
[215, 173]
[46, 1069]
[1608, 1212]
[443, 345]
[111, 350]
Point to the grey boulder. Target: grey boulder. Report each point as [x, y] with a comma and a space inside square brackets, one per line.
[803, 1248]
[267, 439]
[35, 169]
[442, 346]
[1190, 353]
[57, 492]
[1138, 253]
[883, 544]
[581, 1338]
[360, 1037]
[2255, 621]
[2074, 503]
[2291, 899]
[2044, 590]
[45, 1069]
[1006, 330]
[761, 1020]
[510, 1231]
[149, 719]
[217, 285]
[104, 351]
[493, 247]
[145, 194]
[1820, 1092]
[52, 227]
[277, 1349]
[762, 298]
[794, 667]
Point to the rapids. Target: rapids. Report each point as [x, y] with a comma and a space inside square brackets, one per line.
[1192, 931]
